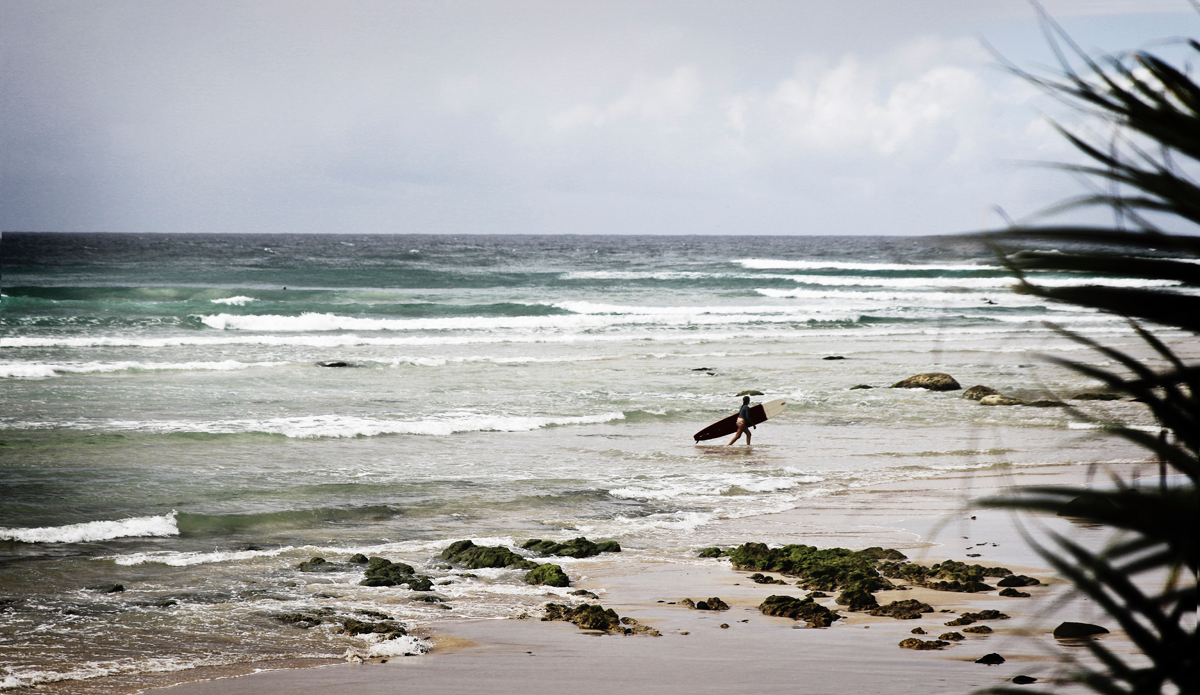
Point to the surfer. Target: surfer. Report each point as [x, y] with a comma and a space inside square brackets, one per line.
[743, 422]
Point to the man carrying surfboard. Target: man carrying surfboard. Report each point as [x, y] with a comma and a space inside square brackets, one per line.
[743, 422]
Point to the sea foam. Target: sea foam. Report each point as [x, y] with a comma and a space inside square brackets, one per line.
[92, 531]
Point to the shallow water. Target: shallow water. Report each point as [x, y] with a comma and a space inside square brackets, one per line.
[165, 422]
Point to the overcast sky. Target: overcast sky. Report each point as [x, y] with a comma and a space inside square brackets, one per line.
[544, 117]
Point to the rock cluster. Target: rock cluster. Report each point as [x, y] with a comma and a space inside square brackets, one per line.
[760, 578]
[712, 604]
[383, 625]
[903, 610]
[591, 616]
[714, 551]
[383, 572]
[968, 618]
[826, 569]
[576, 547]
[806, 609]
[472, 556]
[922, 645]
[950, 575]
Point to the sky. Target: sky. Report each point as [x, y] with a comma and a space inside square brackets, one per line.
[541, 117]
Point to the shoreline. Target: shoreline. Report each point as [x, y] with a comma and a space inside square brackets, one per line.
[926, 519]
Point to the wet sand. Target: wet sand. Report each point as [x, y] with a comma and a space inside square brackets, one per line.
[741, 649]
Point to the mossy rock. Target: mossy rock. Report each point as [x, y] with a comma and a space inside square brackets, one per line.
[857, 598]
[826, 569]
[588, 616]
[903, 610]
[548, 575]
[383, 572]
[979, 391]
[760, 578]
[978, 630]
[475, 557]
[320, 564]
[951, 637]
[922, 645]
[714, 552]
[1018, 580]
[390, 629]
[804, 609]
[576, 547]
[358, 559]
[712, 604]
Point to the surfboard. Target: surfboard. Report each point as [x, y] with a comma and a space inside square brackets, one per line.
[758, 413]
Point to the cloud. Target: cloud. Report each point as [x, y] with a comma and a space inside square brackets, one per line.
[664, 101]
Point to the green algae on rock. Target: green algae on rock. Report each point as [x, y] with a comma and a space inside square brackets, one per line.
[576, 547]
[383, 572]
[548, 575]
[804, 609]
[903, 610]
[475, 557]
[826, 569]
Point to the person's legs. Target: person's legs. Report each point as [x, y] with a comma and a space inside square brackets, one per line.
[741, 428]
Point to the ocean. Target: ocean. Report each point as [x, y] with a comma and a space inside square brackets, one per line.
[192, 416]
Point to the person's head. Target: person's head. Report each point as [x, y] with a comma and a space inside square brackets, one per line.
[745, 400]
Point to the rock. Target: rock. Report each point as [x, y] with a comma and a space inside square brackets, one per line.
[951, 637]
[857, 598]
[584, 593]
[714, 551]
[358, 559]
[108, 588]
[979, 391]
[922, 645]
[806, 609]
[990, 659]
[476, 557]
[1093, 396]
[749, 392]
[712, 604]
[548, 575]
[856, 387]
[877, 553]
[1013, 593]
[1090, 505]
[817, 594]
[903, 610]
[1000, 400]
[589, 616]
[1024, 680]
[383, 572]
[1074, 630]
[825, 569]
[300, 620]
[961, 620]
[918, 631]
[1018, 580]
[933, 381]
[759, 578]
[319, 564]
[986, 615]
[636, 628]
[390, 629]
[833, 357]
[333, 364]
[978, 630]
[576, 547]
[688, 603]
[1047, 404]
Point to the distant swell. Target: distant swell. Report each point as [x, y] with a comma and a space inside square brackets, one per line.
[92, 531]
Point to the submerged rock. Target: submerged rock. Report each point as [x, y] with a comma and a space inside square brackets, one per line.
[1070, 630]
[933, 381]
[475, 557]
[979, 391]
[922, 645]
[576, 547]
[808, 610]
[1044, 403]
[713, 551]
[1024, 680]
[548, 575]
[749, 392]
[990, 659]
[383, 572]
[951, 637]
[833, 357]
[1013, 593]
[997, 399]
[584, 593]
[320, 564]
[857, 387]
[978, 630]
[333, 363]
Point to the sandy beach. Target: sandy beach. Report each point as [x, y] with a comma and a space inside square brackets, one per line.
[719, 651]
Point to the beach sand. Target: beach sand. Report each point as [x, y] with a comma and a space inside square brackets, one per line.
[742, 649]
